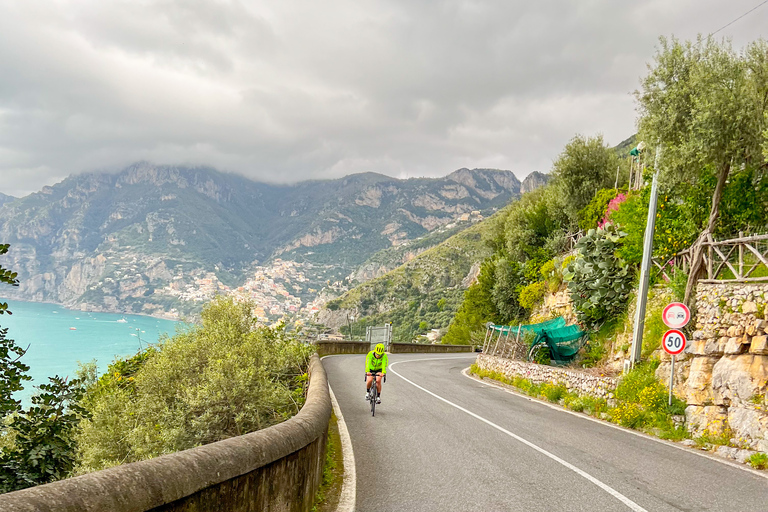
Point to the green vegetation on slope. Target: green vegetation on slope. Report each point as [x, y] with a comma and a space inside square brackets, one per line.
[713, 180]
[421, 294]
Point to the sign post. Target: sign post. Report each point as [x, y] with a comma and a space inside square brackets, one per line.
[673, 343]
[676, 316]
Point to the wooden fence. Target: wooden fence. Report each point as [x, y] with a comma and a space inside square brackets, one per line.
[735, 260]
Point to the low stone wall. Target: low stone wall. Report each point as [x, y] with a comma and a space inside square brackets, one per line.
[579, 382]
[728, 375]
[412, 348]
[325, 348]
[277, 469]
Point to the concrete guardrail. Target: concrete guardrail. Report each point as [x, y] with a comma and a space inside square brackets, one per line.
[325, 348]
[412, 348]
[277, 469]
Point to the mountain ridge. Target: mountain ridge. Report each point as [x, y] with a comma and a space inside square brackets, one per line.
[122, 241]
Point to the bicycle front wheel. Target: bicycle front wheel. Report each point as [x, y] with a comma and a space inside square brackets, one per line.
[374, 395]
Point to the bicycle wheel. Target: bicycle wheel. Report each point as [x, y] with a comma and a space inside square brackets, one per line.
[539, 353]
[374, 394]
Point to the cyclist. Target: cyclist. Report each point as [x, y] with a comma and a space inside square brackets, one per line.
[375, 364]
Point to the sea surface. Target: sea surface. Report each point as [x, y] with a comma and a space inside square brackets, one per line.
[58, 338]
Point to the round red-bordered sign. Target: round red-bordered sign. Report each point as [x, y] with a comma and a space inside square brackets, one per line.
[676, 315]
[673, 342]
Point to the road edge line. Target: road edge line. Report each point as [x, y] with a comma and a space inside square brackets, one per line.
[602, 485]
[348, 495]
[643, 435]
[349, 480]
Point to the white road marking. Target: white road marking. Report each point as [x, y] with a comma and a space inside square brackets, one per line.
[671, 444]
[610, 490]
[349, 482]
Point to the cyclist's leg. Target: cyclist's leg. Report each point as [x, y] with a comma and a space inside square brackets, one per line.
[378, 383]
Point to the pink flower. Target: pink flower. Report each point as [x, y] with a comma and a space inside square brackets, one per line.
[613, 205]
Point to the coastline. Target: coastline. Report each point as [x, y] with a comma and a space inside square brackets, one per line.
[160, 316]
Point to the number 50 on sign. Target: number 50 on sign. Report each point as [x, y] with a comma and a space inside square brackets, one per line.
[673, 342]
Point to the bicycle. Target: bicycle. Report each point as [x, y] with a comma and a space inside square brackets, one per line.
[374, 393]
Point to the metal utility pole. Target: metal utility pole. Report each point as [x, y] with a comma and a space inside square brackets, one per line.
[645, 268]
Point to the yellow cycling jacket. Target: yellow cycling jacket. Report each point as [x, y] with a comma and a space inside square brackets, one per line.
[376, 365]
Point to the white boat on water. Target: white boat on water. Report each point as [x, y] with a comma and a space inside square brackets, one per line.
[122, 321]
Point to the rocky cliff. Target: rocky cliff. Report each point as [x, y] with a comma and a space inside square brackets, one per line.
[533, 181]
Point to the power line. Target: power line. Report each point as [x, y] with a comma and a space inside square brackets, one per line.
[737, 19]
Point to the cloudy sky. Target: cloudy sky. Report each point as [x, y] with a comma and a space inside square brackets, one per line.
[287, 90]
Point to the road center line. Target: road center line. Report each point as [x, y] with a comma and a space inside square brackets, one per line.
[610, 490]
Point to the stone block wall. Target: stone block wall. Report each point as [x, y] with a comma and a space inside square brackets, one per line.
[413, 348]
[580, 382]
[728, 374]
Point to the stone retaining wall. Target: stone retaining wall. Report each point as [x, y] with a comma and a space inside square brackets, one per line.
[579, 382]
[412, 348]
[728, 375]
[277, 469]
[325, 348]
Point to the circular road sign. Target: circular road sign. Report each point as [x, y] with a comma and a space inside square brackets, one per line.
[673, 342]
[676, 315]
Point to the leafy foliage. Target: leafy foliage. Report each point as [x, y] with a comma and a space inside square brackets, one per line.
[43, 448]
[585, 166]
[477, 309]
[591, 215]
[12, 374]
[219, 380]
[7, 277]
[599, 282]
[532, 294]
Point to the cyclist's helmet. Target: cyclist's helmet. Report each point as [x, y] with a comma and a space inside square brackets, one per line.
[379, 349]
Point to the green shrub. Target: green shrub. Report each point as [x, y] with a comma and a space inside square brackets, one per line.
[593, 213]
[219, 380]
[599, 282]
[553, 392]
[532, 294]
[758, 460]
[630, 386]
[653, 397]
[628, 415]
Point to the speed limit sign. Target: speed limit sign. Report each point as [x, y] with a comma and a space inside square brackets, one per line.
[673, 342]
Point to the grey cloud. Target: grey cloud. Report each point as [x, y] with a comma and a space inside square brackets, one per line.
[284, 91]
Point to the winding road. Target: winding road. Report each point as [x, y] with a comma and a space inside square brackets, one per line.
[442, 441]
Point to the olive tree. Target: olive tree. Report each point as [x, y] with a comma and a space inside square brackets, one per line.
[705, 106]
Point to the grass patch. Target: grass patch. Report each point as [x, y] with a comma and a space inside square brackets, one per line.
[708, 437]
[641, 402]
[327, 497]
[758, 460]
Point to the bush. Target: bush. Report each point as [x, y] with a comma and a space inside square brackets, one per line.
[532, 294]
[758, 460]
[599, 282]
[630, 386]
[553, 392]
[591, 215]
[219, 380]
[628, 415]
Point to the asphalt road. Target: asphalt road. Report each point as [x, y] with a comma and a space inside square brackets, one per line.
[444, 442]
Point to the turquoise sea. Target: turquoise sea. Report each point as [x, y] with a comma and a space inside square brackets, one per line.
[58, 338]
